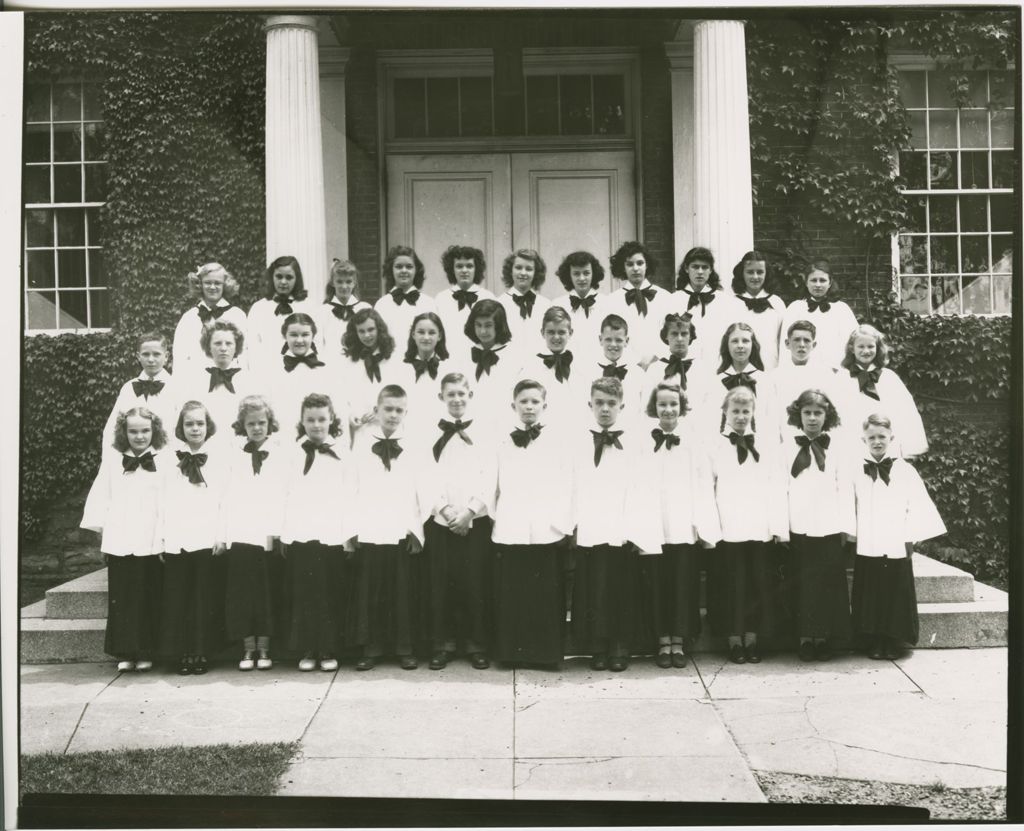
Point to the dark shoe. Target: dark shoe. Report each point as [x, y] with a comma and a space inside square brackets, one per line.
[877, 651]
[599, 663]
[185, 666]
[806, 651]
[618, 663]
[752, 653]
[479, 660]
[664, 660]
[737, 655]
[364, 664]
[199, 665]
[894, 650]
[679, 660]
[439, 661]
[822, 651]
[408, 662]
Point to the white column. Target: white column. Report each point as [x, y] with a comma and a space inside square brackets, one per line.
[724, 216]
[680, 61]
[296, 221]
[333, 60]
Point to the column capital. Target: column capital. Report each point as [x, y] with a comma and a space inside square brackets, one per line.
[290, 21]
[334, 60]
[679, 54]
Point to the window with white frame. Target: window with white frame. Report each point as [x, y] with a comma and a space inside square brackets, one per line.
[66, 285]
[956, 254]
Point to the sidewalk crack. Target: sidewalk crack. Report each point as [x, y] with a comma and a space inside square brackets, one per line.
[81, 715]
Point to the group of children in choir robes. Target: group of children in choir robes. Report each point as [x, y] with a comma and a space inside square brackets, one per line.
[438, 498]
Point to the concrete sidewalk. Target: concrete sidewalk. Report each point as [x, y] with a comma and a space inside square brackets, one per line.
[646, 734]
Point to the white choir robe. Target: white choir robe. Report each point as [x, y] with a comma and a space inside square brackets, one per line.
[526, 333]
[127, 507]
[331, 329]
[632, 387]
[288, 389]
[821, 502]
[751, 497]
[534, 504]
[683, 489]
[889, 516]
[586, 329]
[191, 512]
[424, 406]
[894, 401]
[788, 381]
[710, 392]
[454, 319]
[263, 337]
[360, 389]
[186, 347]
[492, 391]
[765, 325]
[832, 331]
[193, 384]
[464, 475]
[387, 505]
[318, 505]
[162, 405]
[252, 509]
[644, 330]
[399, 316]
[566, 401]
[613, 502]
[709, 324]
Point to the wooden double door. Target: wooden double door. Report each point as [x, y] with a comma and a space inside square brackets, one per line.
[554, 202]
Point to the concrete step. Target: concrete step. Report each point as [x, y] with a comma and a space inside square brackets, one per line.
[84, 598]
[60, 641]
[982, 622]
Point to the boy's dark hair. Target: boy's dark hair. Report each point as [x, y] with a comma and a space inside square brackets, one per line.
[614, 321]
[685, 321]
[540, 269]
[159, 438]
[254, 404]
[318, 399]
[528, 384]
[877, 420]
[146, 337]
[488, 308]
[803, 325]
[617, 262]
[609, 386]
[441, 350]
[739, 285]
[652, 402]
[555, 314]
[755, 347]
[866, 330]
[220, 325]
[812, 396]
[393, 254]
[179, 427]
[298, 317]
[299, 292]
[341, 267]
[701, 254]
[353, 347]
[464, 252]
[578, 259]
[826, 267]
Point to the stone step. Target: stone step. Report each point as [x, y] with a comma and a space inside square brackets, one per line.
[59, 641]
[83, 598]
[982, 622]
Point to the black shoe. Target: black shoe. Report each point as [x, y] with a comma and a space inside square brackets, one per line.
[599, 663]
[877, 651]
[736, 654]
[199, 665]
[439, 660]
[679, 660]
[185, 666]
[806, 651]
[366, 663]
[479, 660]
[894, 650]
[822, 651]
[408, 661]
[752, 653]
[664, 660]
[618, 663]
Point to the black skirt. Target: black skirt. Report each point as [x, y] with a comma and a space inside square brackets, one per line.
[455, 597]
[192, 606]
[606, 599]
[386, 599]
[133, 607]
[670, 587]
[252, 599]
[529, 604]
[824, 600]
[315, 580]
[884, 599]
[741, 589]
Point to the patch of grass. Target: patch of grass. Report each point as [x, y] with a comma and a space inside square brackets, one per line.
[220, 769]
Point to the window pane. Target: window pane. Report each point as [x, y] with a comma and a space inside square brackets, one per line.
[91, 101]
[67, 143]
[943, 213]
[942, 126]
[974, 169]
[94, 226]
[946, 295]
[1002, 169]
[1001, 87]
[442, 106]
[1002, 213]
[944, 258]
[973, 254]
[67, 102]
[39, 265]
[97, 268]
[942, 170]
[919, 131]
[1002, 128]
[73, 309]
[95, 144]
[41, 310]
[977, 88]
[1002, 252]
[38, 228]
[938, 90]
[542, 105]
[912, 88]
[410, 108]
[609, 105]
[973, 128]
[914, 294]
[37, 184]
[477, 107]
[95, 182]
[973, 213]
[916, 209]
[71, 268]
[1001, 287]
[70, 228]
[978, 295]
[913, 255]
[37, 102]
[99, 305]
[575, 105]
[67, 183]
[37, 143]
[913, 167]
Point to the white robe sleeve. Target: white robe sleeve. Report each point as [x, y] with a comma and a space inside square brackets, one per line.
[923, 519]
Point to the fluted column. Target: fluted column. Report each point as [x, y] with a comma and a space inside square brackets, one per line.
[724, 216]
[296, 220]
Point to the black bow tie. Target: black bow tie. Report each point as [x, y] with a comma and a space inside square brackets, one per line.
[813, 305]
[744, 444]
[699, 298]
[639, 298]
[670, 440]
[484, 360]
[522, 436]
[585, 303]
[677, 365]
[560, 362]
[756, 304]
[371, 363]
[422, 365]
[146, 386]
[309, 359]
[603, 439]
[206, 314]
[449, 429]
[818, 445]
[409, 297]
[613, 371]
[145, 461]
[340, 310]
[312, 448]
[222, 378]
[740, 378]
[878, 469]
[866, 380]
[258, 456]
[387, 450]
[191, 465]
[465, 297]
[525, 303]
[284, 304]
